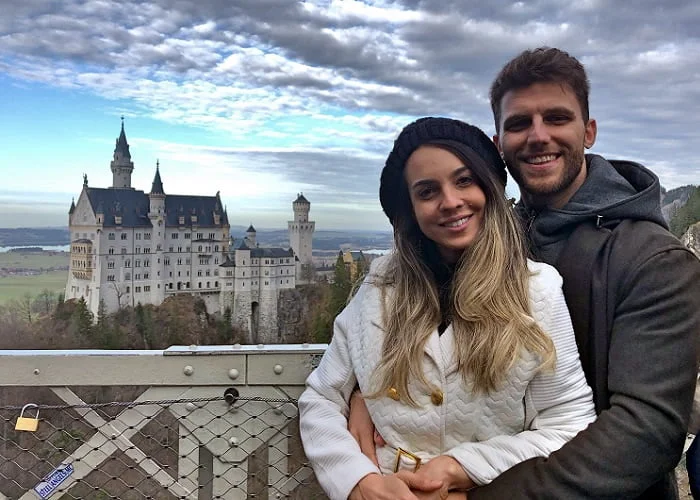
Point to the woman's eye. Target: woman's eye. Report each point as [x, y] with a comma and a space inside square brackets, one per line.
[425, 193]
[465, 180]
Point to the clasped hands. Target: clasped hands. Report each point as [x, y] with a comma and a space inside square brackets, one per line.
[432, 481]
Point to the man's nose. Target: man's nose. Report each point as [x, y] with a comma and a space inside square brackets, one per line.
[539, 132]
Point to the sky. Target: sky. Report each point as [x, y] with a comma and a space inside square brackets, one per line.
[265, 99]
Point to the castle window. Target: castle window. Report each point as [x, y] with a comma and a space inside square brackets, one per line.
[208, 284]
[267, 282]
[147, 250]
[216, 284]
[179, 249]
[123, 236]
[147, 288]
[127, 276]
[174, 236]
[187, 249]
[208, 272]
[199, 273]
[110, 251]
[171, 249]
[128, 289]
[110, 277]
[138, 236]
[179, 262]
[200, 236]
[166, 261]
[216, 248]
[137, 276]
[181, 219]
[146, 263]
[194, 219]
[110, 236]
[146, 236]
[118, 220]
[158, 247]
[212, 236]
[137, 263]
[123, 251]
[146, 276]
[127, 263]
[216, 260]
[188, 236]
[110, 265]
[137, 289]
[199, 285]
[138, 249]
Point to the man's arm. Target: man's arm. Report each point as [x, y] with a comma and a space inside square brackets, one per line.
[652, 370]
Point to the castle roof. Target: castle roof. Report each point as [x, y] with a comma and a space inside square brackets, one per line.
[133, 206]
[271, 253]
[157, 186]
[301, 199]
[121, 149]
[250, 229]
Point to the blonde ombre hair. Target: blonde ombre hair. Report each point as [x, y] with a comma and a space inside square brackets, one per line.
[488, 298]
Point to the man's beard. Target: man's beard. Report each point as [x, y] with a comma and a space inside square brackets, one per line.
[573, 162]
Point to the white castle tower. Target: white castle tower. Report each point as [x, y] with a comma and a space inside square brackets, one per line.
[301, 231]
[121, 164]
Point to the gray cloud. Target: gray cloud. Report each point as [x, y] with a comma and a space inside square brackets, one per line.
[237, 67]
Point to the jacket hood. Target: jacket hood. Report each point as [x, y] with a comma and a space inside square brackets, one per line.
[613, 190]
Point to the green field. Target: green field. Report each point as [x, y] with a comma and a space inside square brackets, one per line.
[34, 260]
[14, 287]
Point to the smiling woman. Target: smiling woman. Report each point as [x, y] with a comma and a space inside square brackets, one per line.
[452, 338]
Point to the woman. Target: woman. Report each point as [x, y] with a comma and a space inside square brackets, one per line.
[463, 348]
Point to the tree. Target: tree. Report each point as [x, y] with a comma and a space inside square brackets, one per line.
[46, 301]
[144, 325]
[687, 215]
[82, 319]
[24, 304]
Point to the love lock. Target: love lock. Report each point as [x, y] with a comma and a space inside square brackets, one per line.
[27, 423]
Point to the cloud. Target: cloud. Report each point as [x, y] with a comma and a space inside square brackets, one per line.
[314, 92]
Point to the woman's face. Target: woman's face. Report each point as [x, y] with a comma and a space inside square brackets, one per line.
[447, 202]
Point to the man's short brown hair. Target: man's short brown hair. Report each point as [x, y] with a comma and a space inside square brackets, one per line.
[541, 65]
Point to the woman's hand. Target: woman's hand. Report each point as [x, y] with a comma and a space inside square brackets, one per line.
[403, 485]
[448, 471]
[361, 427]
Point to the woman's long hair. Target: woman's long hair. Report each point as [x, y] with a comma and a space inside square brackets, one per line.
[488, 301]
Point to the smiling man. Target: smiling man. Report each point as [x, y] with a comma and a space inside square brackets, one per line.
[632, 288]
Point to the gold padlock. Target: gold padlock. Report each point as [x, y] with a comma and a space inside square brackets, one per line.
[27, 423]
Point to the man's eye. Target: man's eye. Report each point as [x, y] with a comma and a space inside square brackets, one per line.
[558, 119]
[516, 126]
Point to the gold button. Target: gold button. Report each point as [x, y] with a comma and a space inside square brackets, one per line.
[436, 397]
[393, 394]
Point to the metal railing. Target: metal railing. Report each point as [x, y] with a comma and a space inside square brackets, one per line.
[184, 423]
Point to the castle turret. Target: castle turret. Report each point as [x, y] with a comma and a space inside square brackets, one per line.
[250, 236]
[156, 196]
[121, 164]
[301, 231]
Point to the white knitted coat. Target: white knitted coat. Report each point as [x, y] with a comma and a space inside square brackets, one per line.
[533, 414]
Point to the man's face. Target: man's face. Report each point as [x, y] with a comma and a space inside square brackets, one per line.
[542, 139]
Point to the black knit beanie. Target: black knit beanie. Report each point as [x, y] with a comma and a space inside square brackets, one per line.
[426, 130]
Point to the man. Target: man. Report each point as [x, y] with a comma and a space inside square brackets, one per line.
[642, 362]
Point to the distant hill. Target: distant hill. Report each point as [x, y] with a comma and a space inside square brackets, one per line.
[34, 236]
[673, 200]
[323, 240]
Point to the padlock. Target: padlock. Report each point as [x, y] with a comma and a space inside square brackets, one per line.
[27, 423]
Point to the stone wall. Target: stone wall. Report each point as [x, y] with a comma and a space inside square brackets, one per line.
[294, 314]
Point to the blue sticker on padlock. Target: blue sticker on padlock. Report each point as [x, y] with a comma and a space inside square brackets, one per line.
[53, 480]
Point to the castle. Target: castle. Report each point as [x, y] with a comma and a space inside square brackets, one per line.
[130, 247]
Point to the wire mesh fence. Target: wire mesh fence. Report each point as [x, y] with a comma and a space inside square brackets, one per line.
[233, 447]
